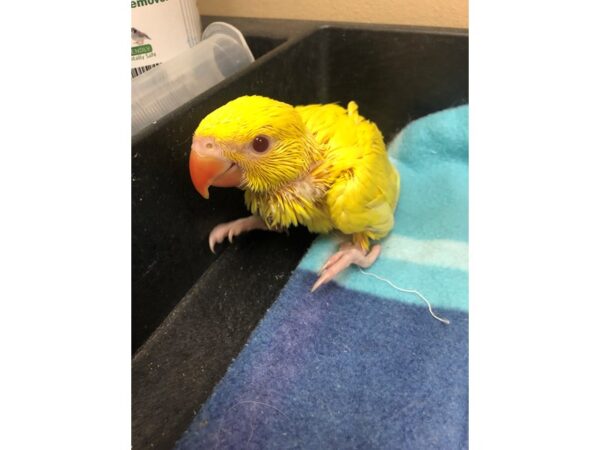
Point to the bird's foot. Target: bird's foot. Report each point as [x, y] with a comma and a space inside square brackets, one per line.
[230, 229]
[347, 255]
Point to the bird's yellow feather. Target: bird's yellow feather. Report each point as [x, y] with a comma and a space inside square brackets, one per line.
[364, 185]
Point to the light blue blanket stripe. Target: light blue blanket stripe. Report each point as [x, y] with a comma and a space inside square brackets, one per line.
[427, 250]
[443, 287]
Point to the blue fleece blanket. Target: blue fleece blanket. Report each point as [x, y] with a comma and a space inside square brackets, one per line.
[358, 364]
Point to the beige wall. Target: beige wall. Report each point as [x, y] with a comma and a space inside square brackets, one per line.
[440, 13]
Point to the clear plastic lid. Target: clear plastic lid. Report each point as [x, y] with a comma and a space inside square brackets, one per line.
[221, 53]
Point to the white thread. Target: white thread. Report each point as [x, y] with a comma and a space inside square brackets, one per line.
[409, 291]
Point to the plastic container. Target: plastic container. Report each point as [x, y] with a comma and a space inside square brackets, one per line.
[154, 94]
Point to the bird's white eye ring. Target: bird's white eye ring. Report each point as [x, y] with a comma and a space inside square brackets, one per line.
[261, 144]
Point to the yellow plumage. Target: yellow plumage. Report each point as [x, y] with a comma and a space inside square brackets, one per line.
[327, 167]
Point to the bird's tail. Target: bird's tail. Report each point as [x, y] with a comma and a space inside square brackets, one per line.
[353, 111]
[362, 240]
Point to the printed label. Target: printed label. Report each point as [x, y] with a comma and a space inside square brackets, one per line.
[158, 31]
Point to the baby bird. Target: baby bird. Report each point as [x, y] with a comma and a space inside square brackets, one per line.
[321, 166]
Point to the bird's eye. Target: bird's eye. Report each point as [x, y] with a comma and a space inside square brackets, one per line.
[260, 144]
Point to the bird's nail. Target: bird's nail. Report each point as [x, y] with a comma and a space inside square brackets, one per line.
[316, 286]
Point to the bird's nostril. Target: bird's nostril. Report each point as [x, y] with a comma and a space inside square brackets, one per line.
[209, 145]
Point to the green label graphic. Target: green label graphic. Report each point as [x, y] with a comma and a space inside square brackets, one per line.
[141, 49]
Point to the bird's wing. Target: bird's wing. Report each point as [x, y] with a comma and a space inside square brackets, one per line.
[363, 195]
[363, 199]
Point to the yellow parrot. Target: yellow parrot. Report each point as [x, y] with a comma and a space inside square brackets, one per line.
[321, 166]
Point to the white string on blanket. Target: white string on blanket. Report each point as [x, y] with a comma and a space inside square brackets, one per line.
[409, 291]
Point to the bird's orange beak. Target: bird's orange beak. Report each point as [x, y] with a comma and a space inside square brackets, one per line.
[208, 167]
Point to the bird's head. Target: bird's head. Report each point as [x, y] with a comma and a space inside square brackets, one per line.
[253, 143]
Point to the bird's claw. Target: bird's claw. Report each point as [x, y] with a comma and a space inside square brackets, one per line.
[349, 254]
[229, 230]
[223, 231]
